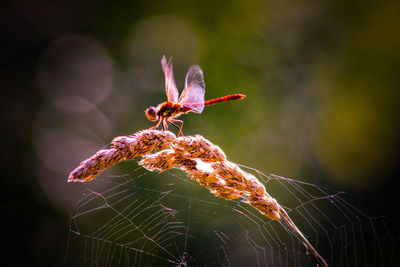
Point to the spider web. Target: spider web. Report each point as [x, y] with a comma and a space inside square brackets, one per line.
[143, 218]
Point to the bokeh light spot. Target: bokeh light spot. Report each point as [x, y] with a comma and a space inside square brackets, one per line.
[75, 68]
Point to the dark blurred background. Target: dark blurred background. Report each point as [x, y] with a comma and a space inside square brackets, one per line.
[321, 79]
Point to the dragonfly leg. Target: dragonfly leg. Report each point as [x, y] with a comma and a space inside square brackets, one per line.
[165, 125]
[155, 125]
[180, 128]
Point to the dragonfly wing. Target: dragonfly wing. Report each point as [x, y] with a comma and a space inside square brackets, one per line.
[170, 87]
[194, 75]
[193, 94]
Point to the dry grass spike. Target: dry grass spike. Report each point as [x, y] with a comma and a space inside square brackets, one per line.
[200, 159]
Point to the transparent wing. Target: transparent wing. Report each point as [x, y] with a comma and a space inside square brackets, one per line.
[193, 94]
[170, 87]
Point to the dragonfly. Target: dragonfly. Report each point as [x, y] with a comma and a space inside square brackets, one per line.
[190, 100]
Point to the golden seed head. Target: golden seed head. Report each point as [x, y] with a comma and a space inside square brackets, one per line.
[199, 158]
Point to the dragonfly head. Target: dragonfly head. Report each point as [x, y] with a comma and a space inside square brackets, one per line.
[151, 114]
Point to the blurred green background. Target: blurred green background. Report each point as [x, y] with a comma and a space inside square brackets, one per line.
[321, 79]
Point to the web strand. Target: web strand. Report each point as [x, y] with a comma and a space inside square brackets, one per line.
[158, 222]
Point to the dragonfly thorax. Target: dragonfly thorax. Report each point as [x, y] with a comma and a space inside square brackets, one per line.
[169, 110]
[165, 110]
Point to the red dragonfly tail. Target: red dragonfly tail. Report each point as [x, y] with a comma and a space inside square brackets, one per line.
[224, 99]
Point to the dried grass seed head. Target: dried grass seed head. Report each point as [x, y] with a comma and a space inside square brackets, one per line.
[160, 161]
[198, 147]
[93, 166]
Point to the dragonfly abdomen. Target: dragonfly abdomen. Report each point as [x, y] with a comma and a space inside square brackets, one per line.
[224, 99]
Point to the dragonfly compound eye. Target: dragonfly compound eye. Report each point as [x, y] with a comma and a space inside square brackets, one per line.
[151, 113]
